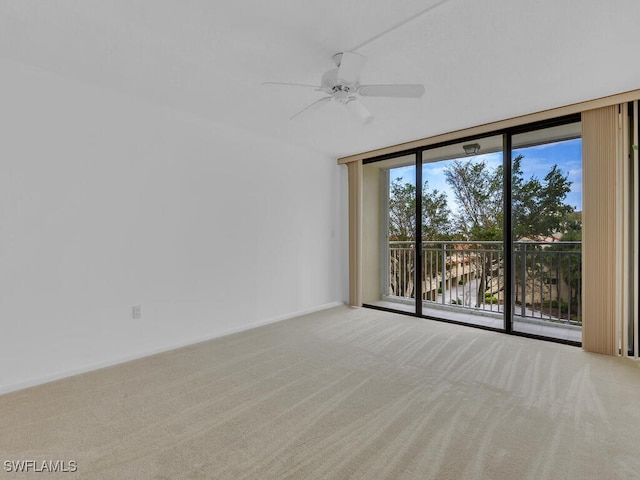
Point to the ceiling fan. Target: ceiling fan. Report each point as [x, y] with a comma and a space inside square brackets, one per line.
[342, 85]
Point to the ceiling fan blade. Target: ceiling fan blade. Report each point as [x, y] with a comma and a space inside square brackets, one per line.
[290, 84]
[350, 66]
[314, 106]
[413, 90]
[357, 108]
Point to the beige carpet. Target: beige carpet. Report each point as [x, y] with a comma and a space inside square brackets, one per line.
[340, 394]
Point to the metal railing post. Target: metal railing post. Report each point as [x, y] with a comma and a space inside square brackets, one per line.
[551, 260]
[443, 276]
[523, 280]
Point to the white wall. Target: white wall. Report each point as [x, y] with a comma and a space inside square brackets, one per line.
[107, 202]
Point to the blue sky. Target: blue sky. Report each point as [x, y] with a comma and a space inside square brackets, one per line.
[567, 155]
[536, 162]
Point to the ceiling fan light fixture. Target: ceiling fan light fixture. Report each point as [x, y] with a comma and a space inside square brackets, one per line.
[471, 149]
[358, 109]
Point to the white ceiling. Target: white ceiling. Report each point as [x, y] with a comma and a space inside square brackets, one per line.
[480, 61]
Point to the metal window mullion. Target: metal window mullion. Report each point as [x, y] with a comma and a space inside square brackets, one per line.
[418, 234]
[507, 229]
[385, 253]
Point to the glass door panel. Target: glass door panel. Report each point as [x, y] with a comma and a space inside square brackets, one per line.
[462, 223]
[389, 228]
[546, 178]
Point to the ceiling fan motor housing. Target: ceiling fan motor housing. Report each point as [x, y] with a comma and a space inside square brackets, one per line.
[330, 83]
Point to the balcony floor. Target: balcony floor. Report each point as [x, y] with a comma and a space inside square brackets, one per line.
[541, 327]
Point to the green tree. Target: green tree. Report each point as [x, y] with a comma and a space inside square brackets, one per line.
[402, 209]
[538, 208]
[539, 213]
[402, 228]
[478, 192]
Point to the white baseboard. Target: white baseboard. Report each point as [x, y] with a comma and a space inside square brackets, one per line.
[127, 358]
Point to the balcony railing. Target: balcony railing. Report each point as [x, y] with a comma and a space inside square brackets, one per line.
[470, 275]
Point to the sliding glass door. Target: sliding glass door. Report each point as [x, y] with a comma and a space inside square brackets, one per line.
[484, 231]
[546, 212]
[463, 273]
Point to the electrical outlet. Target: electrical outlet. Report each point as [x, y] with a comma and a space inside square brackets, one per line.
[136, 312]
